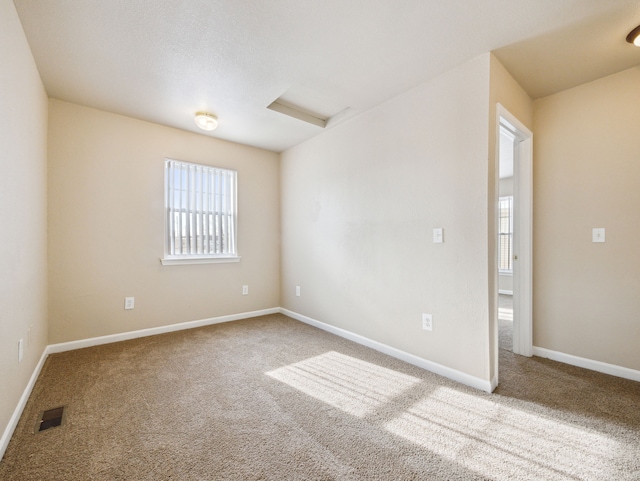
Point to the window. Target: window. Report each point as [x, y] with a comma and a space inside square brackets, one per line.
[200, 213]
[505, 234]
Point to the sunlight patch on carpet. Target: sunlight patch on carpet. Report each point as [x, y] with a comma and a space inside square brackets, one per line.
[349, 384]
[496, 440]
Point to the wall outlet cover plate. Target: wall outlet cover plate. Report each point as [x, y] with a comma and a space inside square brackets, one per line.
[598, 234]
[427, 322]
[438, 235]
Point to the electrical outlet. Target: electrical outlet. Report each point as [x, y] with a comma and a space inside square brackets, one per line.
[129, 302]
[438, 235]
[298, 291]
[20, 350]
[427, 322]
[245, 290]
[598, 234]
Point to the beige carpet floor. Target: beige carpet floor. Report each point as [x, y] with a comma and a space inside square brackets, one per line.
[274, 399]
[505, 322]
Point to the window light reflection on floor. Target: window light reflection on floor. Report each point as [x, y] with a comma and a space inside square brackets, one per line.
[487, 437]
[349, 384]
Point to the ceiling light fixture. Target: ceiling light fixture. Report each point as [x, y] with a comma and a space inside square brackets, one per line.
[634, 36]
[206, 121]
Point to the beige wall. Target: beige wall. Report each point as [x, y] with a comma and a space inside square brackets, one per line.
[586, 175]
[506, 91]
[106, 224]
[23, 212]
[359, 203]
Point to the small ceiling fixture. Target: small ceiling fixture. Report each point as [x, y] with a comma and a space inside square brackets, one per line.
[206, 121]
[634, 36]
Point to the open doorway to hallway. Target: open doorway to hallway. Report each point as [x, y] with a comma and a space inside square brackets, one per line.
[515, 233]
[507, 152]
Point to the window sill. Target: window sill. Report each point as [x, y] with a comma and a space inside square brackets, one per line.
[174, 261]
[505, 273]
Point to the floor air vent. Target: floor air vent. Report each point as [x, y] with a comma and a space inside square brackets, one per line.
[50, 419]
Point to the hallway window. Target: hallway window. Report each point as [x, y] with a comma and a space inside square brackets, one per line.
[505, 234]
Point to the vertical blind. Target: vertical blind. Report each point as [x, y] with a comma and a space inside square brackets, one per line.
[505, 231]
[200, 204]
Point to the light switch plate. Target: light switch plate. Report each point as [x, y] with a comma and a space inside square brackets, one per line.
[598, 234]
[438, 235]
[129, 302]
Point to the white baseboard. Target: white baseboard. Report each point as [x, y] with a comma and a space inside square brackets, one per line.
[598, 366]
[13, 422]
[436, 368]
[125, 336]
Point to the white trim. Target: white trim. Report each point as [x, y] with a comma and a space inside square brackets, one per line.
[172, 261]
[603, 367]
[505, 292]
[125, 336]
[13, 422]
[494, 383]
[453, 374]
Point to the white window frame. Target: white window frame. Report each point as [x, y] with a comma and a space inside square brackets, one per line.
[206, 232]
[507, 198]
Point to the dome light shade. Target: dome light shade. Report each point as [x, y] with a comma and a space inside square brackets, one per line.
[206, 121]
[634, 36]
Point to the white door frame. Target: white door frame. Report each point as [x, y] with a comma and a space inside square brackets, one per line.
[522, 232]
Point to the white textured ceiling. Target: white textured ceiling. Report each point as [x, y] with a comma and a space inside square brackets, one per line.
[163, 60]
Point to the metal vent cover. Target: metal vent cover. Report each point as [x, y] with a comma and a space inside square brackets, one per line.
[50, 418]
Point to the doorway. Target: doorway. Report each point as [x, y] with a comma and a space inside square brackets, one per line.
[514, 260]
